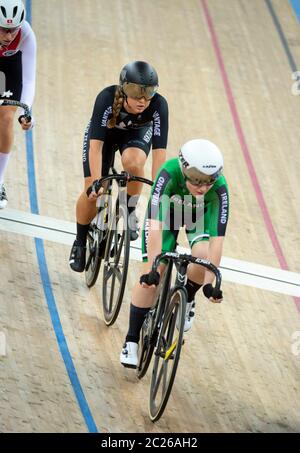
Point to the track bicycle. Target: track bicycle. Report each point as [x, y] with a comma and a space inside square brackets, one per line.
[109, 240]
[163, 328]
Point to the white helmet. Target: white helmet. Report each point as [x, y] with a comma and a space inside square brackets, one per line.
[12, 13]
[201, 161]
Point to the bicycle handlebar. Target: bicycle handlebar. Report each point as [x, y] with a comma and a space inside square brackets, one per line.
[175, 256]
[123, 176]
[27, 114]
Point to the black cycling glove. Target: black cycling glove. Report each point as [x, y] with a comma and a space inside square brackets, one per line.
[95, 187]
[150, 279]
[209, 291]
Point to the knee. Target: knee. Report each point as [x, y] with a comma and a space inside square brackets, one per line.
[132, 163]
[132, 167]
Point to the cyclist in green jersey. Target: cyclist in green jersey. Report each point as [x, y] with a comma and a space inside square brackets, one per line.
[189, 191]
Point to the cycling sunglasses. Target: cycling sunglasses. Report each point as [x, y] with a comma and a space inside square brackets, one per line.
[199, 182]
[136, 91]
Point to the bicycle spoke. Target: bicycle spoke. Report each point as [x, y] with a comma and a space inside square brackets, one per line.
[118, 274]
[165, 375]
[108, 271]
[116, 242]
[93, 256]
[117, 258]
[157, 382]
[112, 289]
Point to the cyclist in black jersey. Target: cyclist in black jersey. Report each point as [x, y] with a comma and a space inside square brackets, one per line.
[131, 117]
[189, 191]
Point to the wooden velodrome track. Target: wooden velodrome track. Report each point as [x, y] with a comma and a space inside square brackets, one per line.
[226, 72]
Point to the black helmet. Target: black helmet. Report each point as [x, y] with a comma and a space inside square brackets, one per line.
[139, 72]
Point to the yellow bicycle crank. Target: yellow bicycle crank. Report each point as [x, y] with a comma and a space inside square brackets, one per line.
[171, 349]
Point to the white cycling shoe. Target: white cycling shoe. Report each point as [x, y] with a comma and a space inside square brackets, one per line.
[129, 354]
[189, 316]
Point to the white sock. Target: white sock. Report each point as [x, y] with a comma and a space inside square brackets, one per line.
[4, 158]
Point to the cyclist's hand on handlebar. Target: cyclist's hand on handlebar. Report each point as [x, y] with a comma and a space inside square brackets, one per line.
[95, 190]
[215, 296]
[150, 279]
[26, 122]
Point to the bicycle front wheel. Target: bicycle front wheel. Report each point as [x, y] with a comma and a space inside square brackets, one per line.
[150, 328]
[167, 353]
[93, 255]
[115, 268]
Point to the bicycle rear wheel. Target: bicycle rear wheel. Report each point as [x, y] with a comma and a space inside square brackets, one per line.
[167, 353]
[116, 260]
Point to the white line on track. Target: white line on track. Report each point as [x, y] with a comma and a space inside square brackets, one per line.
[236, 271]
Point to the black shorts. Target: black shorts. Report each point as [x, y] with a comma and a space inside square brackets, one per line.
[12, 69]
[116, 139]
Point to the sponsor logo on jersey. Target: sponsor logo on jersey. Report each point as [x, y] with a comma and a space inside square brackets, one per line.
[186, 201]
[85, 143]
[157, 190]
[224, 208]
[146, 230]
[156, 125]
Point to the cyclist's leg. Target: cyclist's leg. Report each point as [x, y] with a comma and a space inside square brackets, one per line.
[86, 208]
[7, 115]
[199, 250]
[135, 147]
[11, 67]
[195, 273]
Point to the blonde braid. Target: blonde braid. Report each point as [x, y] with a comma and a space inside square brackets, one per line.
[116, 108]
